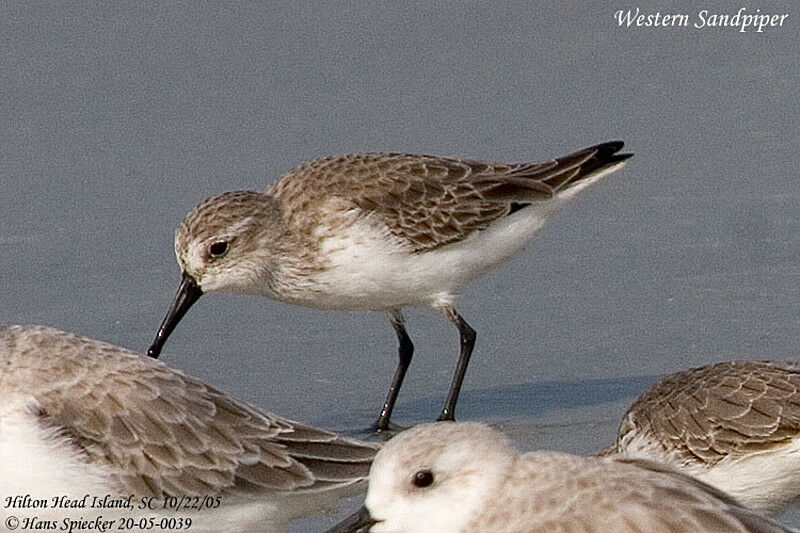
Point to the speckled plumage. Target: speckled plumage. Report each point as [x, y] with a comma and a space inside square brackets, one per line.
[479, 483]
[735, 425]
[149, 430]
[419, 202]
[425, 202]
[377, 232]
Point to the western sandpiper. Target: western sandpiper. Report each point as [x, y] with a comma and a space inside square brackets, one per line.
[734, 425]
[377, 232]
[449, 477]
[81, 417]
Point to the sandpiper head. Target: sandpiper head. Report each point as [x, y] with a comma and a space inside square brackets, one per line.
[434, 476]
[226, 243]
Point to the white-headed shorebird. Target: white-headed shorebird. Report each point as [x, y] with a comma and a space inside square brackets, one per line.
[466, 478]
[377, 232]
[734, 425]
[81, 417]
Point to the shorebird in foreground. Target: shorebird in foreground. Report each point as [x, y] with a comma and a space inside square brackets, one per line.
[377, 232]
[79, 417]
[734, 425]
[464, 478]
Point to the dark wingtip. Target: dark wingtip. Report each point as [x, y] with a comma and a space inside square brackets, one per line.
[610, 148]
[606, 154]
[619, 157]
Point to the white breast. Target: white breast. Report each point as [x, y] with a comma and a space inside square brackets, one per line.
[371, 270]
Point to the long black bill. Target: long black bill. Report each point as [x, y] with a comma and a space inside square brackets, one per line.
[358, 522]
[188, 293]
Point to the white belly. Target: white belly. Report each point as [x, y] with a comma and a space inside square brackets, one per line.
[370, 271]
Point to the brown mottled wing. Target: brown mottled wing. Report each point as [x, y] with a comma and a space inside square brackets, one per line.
[626, 496]
[428, 201]
[718, 410]
[656, 498]
[165, 433]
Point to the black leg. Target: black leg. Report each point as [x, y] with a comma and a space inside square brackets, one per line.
[467, 335]
[405, 352]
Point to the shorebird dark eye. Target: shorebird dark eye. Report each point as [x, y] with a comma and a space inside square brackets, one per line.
[422, 479]
[218, 248]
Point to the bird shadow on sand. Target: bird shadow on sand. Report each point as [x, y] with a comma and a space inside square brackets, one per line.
[504, 404]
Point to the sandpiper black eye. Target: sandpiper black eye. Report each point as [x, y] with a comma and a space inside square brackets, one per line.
[218, 248]
[423, 478]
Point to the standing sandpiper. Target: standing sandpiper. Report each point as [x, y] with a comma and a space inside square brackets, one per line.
[377, 232]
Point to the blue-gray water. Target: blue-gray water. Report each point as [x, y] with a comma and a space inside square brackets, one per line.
[118, 118]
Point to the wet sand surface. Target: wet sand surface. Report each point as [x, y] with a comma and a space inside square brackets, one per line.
[119, 120]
